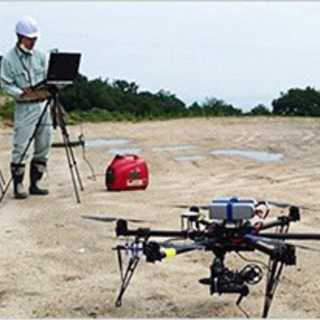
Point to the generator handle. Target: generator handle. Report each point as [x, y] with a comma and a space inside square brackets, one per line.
[131, 155]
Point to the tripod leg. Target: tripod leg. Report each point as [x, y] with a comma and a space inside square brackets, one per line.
[68, 148]
[5, 189]
[65, 133]
[74, 162]
[2, 182]
[27, 146]
[75, 187]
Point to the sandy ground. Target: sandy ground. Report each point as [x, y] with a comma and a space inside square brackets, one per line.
[54, 263]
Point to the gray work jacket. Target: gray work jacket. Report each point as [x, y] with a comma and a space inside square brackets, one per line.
[20, 70]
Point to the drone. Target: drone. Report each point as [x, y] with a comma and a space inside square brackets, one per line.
[228, 225]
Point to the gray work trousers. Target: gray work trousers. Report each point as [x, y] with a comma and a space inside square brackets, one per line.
[26, 116]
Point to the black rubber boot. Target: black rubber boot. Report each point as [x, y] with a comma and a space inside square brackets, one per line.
[17, 172]
[36, 173]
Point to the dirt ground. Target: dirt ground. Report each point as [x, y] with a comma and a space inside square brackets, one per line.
[54, 263]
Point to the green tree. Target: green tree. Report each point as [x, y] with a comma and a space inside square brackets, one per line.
[298, 102]
[216, 107]
[260, 110]
[195, 109]
[125, 86]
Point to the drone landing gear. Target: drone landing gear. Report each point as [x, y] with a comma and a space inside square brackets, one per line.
[283, 255]
[131, 267]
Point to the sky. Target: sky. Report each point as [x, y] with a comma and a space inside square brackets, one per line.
[242, 52]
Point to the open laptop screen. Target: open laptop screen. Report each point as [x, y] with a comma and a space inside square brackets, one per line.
[63, 68]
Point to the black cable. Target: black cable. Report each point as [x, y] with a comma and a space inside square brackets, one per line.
[84, 154]
[93, 177]
[79, 142]
[252, 261]
[246, 314]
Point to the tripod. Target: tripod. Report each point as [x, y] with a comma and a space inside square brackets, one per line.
[2, 182]
[57, 120]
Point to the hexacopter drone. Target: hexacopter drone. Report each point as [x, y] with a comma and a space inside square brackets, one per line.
[233, 225]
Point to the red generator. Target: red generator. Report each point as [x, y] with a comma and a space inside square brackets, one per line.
[127, 172]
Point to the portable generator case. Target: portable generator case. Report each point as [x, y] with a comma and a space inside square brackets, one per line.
[127, 172]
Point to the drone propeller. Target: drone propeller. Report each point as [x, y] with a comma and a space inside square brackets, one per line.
[112, 219]
[306, 248]
[181, 206]
[279, 204]
[284, 205]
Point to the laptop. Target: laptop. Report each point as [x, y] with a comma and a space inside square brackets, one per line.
[63, 68]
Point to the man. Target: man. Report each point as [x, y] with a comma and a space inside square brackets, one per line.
[21, 69]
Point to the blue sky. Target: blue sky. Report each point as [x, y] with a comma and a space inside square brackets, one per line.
[243, 52]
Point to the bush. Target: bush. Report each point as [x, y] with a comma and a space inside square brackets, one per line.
[88, 116]
[7, 111]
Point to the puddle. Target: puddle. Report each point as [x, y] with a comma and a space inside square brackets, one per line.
[106, 142]
[171, 148]
[189, 158]
[123, 151]
[256, 155]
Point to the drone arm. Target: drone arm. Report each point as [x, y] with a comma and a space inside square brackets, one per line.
[171, 252]
[122, 230]
[262, 248]
[155, 251]
[291, 236]
[273, 224]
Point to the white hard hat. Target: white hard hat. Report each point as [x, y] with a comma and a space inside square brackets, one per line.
[27, 27]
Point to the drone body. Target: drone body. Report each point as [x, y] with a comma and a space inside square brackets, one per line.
[231, 227]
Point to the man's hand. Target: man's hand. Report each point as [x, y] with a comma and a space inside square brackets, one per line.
[42, 94]
[26, 92]
[30, 94]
